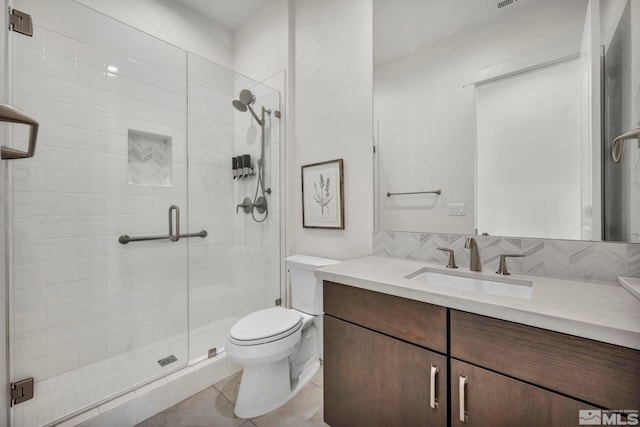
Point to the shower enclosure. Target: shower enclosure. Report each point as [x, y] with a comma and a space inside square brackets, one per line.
[136, 137]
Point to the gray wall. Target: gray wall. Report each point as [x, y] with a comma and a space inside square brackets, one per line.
[618, 107]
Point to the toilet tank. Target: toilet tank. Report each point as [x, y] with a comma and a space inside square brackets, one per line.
[306, 290]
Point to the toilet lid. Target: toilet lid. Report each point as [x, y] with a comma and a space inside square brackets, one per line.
[265, 326]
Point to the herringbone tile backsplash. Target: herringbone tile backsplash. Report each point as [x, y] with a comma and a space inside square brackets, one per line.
[601, 261]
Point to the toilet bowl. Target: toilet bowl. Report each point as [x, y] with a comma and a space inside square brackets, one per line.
[279, 348]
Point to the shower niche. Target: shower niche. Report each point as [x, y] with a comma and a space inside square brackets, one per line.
[149, 158]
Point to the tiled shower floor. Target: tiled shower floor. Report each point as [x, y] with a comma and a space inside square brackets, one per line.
[73, 391]
[214, 407]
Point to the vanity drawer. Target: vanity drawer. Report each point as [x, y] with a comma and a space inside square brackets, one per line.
[603, 374]
[412, 321]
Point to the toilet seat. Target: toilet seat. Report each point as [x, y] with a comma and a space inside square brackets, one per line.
[265, 326]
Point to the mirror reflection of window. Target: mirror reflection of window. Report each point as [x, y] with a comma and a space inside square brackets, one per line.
[528, 148]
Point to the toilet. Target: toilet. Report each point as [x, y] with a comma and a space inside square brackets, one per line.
[279, 348]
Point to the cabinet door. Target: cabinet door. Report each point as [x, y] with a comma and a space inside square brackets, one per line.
[371, 379]
[491, 399]
[603, 374]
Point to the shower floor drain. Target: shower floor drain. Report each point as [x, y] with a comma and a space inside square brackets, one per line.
[166, 360]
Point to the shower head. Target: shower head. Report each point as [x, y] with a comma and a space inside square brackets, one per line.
[238, 105]
[247, 98]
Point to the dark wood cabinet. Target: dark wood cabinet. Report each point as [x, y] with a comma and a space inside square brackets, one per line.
[371, 379]
[603, 374]
[379, 351]
[412, 321]
[492, 399]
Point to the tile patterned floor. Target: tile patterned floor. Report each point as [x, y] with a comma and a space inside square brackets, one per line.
[213, 407]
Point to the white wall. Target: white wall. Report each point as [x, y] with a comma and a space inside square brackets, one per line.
[426, 123]
[427, 118]
[164, 19]
[167, 20]
[260, 45]
[333, 119]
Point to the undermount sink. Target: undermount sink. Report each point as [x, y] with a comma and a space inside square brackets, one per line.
[510, 287]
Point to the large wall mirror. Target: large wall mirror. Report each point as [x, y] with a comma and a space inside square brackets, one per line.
[509, 110]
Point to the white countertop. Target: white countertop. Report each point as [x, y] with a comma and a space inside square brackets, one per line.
[631, 284]
[599, 311]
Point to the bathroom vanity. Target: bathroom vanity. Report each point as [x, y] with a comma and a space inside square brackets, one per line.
[402, 352]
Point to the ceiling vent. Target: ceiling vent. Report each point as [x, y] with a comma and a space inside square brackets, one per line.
[504, 3]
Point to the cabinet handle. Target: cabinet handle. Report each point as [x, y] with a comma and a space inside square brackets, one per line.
[461, 389]
[432, 389]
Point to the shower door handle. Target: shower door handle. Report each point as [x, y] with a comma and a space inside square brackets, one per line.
[124, 239]
[174, 237]
[10, 114]
[617, 148]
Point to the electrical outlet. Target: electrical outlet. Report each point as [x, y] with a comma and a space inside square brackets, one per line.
[457, 209]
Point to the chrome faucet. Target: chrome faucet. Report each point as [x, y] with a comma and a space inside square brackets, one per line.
[474, 254]
[452, 259]
[502, 269]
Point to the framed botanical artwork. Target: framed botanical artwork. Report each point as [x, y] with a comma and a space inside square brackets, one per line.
[323, 195]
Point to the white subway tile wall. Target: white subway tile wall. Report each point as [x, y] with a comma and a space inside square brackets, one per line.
[227, 269]
[210, 92]
[255, 256]
[82, 295]
[92, 315]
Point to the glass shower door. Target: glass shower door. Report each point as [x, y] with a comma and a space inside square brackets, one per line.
[91, 317]
[236, 270]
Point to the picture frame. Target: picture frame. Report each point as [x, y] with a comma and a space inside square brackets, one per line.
[323, 195]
